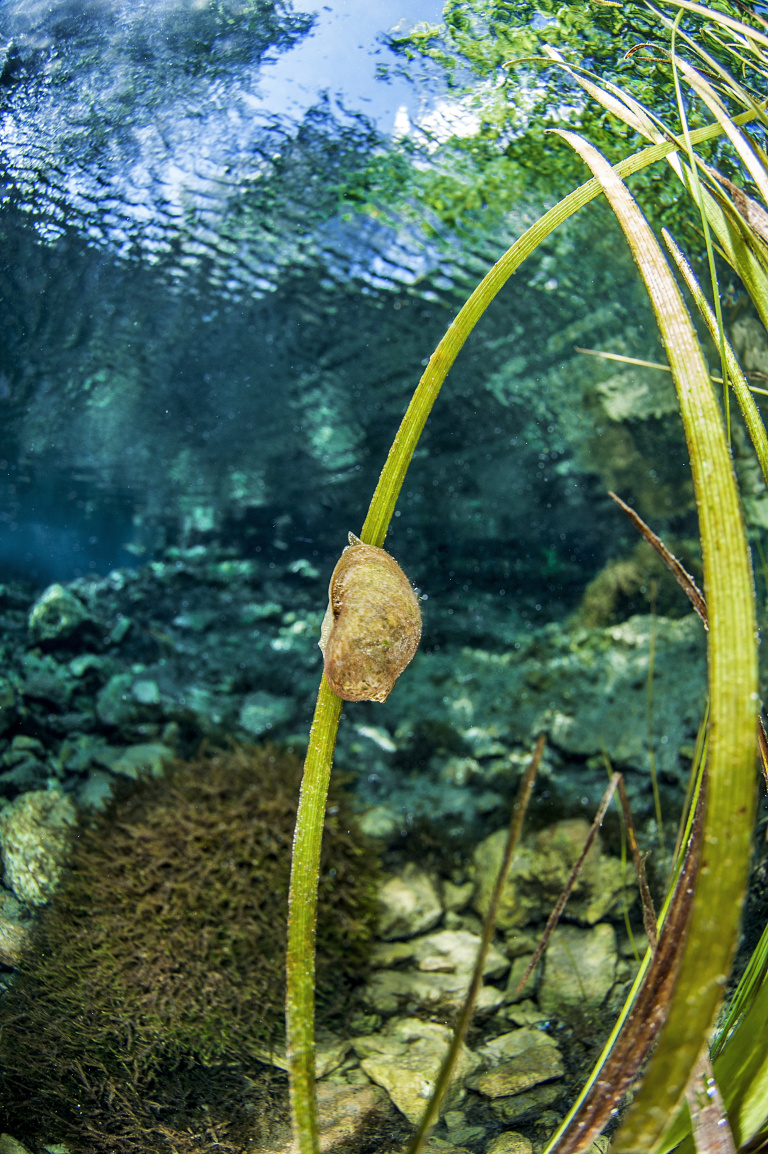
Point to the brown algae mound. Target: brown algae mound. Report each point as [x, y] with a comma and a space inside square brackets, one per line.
[155, 979]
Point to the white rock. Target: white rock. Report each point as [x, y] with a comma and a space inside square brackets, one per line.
[512, 1045]
[447, 952]
[390, 991]
[409, 904]
[442, 969]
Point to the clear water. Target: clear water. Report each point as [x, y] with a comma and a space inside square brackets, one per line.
[207, 347]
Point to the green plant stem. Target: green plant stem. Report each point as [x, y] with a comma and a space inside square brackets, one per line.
[302, 914]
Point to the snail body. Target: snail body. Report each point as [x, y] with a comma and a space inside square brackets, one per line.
[372, 626]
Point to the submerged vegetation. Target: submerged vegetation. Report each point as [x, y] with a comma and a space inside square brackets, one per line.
[149, 1001]
[676, 998]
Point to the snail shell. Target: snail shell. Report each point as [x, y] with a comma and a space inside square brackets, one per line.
[372, 626]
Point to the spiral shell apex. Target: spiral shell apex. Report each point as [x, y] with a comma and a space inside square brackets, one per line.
[372, 626]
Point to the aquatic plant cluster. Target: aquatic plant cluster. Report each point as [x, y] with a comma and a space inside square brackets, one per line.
[161, 958]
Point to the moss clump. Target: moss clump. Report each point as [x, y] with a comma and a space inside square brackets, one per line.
[155, 980]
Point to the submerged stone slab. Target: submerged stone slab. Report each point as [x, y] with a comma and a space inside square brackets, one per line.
[579, 967]
[405, 1059]
[510, 1143]
[518, 1061]
[390, 991]
[409, 904]
[518, 1106]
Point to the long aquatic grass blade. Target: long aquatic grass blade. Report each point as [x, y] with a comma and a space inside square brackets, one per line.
[740, 1060]
[746, 153]
[708, 950]
[611, 97]
[383, 504]
[736, 89]
[750, 411]
[746, 255]
[722, 19]
[741, 1068]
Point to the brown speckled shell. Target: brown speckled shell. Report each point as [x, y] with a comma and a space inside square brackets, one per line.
[372, 625]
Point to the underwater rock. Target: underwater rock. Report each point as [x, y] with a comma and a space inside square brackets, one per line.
[458, 1130]
[510, 1143]
[518, 1061]
[7, 704]
[409, 904]
[56, 615]
[579, 967]
[96, 791]
[262, 712]
[14, 929]
[115, 705]
[539, 871]
[517, 971]
[444, 965]
[146, 759]
[9, 1145]
[345, 1113]
[580, 686]
[26, 767]
[390, 991]
[36, 832]
[46, 680]
[405, 1059]
[518, 1106]
[446, 952]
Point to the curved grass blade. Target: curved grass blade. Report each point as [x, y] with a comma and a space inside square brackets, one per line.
[750, 411]
[647, 1014]
[744, 149]
[708, 950]
[722, 19]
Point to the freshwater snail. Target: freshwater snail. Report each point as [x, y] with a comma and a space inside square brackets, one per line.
[372, 625]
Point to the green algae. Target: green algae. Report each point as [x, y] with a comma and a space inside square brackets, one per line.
[155, 980]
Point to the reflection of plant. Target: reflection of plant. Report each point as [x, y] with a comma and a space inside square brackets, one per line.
[699, 957]
[163, 952]
[482, 53]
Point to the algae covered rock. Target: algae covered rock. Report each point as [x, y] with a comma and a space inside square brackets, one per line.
[164, 949]
[510, 1142]
[439, 975]
[409, 904]
[405, 1059]
[579, 967]
[517, 1062]
[540, 870]
[56, 615]
[35, 835]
